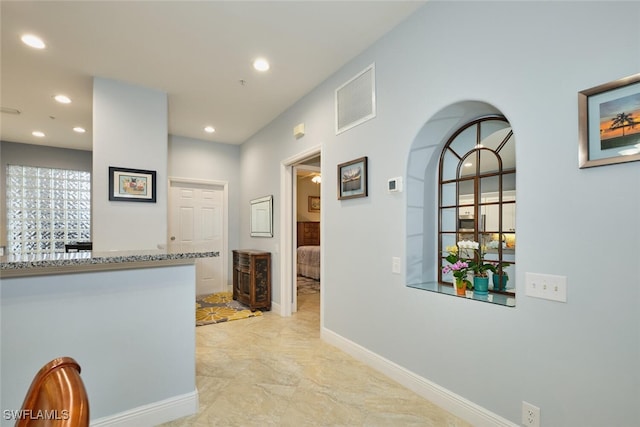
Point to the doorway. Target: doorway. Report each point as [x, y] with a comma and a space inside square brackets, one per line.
[198, 222]
[288, 225]
[306, 202]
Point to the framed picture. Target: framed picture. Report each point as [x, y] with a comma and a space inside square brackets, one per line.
[609, 120]
[314, 204]
[132, 185]
[352, 179]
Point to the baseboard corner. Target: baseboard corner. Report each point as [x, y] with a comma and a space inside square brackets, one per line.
[154, 413]
[446, 399]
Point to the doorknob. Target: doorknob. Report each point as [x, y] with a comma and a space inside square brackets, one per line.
[173, 237]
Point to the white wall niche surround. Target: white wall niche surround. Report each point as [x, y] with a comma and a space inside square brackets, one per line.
[422, 194]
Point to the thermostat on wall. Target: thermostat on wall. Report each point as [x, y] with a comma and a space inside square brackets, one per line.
[395, 185]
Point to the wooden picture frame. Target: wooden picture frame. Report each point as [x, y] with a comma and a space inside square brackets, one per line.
[352, 179]
[609, 123]
[314, 203]
[132, 185]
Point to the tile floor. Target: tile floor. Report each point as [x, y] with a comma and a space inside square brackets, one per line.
[275, 371]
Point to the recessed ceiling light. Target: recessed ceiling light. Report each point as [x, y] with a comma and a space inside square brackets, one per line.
[62, 99]
[209, 129]
[37, 133]
[79, 129]
[33, 41]
[261, 64]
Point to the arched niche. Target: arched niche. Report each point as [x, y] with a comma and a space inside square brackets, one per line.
[422, 188]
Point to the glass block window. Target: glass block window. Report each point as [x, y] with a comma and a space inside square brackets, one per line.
[46, 208]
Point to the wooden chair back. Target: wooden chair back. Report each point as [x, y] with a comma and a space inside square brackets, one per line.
[57, 397]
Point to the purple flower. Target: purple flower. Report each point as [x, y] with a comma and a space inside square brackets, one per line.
[459, 265]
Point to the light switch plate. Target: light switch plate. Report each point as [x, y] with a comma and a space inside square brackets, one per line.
[395, 265]
[546, 286]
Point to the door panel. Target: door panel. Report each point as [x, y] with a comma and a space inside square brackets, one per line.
[196, 223]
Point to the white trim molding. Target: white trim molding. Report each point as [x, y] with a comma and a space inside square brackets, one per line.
[446, 399]
[154, 413]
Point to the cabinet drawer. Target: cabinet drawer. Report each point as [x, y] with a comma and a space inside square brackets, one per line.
[244, 261]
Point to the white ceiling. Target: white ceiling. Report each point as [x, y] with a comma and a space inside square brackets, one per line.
[195, 51]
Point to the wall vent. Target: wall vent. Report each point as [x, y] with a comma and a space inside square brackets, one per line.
[356, 100]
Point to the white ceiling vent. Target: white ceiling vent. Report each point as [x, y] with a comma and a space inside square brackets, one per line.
[356, 100]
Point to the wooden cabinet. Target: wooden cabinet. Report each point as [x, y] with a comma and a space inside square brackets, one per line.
[252, 278]
[308, 233]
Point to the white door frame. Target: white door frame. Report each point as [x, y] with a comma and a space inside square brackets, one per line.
[287, 268]
[225, 215]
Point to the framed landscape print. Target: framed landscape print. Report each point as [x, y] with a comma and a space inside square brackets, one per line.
[132, 185]
[352, 179]
[609, 120]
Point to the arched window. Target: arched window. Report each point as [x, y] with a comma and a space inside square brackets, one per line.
[477, 199]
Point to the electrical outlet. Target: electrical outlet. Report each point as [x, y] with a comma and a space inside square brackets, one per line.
[530, 415]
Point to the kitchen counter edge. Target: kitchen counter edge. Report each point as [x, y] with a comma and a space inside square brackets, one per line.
[80, 262]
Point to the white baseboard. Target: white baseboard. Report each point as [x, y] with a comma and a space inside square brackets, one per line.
[276, 308]
[449, 401]
[154, 413]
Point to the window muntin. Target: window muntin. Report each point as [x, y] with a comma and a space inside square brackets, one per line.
[46, 208]
[477, 186]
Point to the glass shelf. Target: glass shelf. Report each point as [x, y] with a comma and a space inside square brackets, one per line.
[508, 299]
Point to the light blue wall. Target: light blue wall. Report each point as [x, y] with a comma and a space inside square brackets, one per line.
[529, 60]
[124, 328]
[130, 125]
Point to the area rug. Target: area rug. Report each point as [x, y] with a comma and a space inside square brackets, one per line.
[221, 307]
[307, 286]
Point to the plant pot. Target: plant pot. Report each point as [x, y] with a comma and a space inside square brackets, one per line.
[500, 282]
[480, 285]
[461, 288]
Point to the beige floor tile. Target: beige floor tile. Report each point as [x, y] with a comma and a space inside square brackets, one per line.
[275, 371]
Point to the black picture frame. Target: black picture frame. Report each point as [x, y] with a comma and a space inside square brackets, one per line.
[609, 123]
[352, 179]
[132, 185]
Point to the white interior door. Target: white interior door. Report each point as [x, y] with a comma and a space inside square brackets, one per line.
[197, 223]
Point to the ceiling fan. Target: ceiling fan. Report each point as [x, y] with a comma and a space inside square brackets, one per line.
[315, 177]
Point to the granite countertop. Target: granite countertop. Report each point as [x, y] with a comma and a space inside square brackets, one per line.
[11, 265]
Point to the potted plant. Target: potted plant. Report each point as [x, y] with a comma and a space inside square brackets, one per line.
[460, 269]
[479, 267]
[500, 276]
